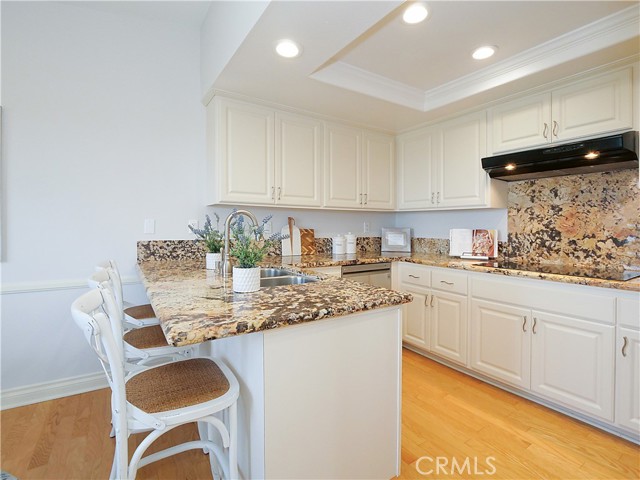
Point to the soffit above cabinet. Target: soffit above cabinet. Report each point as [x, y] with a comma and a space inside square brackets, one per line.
[361, 63]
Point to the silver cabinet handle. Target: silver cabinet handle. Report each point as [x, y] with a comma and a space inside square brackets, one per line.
[360, 199]
[273, 193]
[413, 276]
[535, 322]
[555, 129]
[365, 198]
[624, 346]
[433, 194]
[426, 301]
[546, 130]
[524, 324]
[446, 283]
[431, 304]
[279, 192]
[438, 197]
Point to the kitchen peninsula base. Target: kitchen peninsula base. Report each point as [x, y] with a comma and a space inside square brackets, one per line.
[321, 399]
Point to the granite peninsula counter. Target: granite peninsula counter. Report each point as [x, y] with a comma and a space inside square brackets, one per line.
[194, 305]
[318, 399]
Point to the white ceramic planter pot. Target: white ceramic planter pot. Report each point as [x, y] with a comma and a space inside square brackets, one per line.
[213, 261]
[246, 279]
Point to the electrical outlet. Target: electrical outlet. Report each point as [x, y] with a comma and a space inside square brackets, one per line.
[193, 223]
[365, 227]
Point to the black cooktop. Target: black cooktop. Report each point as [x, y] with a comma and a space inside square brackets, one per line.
[571, 270]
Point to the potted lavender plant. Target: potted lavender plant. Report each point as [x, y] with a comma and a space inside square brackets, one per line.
[213, 240]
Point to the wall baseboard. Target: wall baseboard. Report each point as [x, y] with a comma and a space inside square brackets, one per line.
[40, 392]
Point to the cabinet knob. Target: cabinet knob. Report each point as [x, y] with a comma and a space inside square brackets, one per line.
[625, 344]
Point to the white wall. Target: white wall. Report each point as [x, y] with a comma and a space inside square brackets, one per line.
[437, 224]
[102, 128]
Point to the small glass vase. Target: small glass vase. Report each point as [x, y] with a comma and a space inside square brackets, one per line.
[214, 262]
[246, 279]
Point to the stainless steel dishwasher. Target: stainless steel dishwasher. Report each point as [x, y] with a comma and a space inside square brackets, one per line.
[378, 274]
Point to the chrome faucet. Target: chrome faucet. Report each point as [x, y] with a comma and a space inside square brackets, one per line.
[226, 262]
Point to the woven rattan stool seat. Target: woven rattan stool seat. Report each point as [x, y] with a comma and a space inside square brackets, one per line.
[177, 385]
[146, 337]
[140, 312]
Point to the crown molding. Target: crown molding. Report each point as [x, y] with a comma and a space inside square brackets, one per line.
[590, 38]
[344, 75]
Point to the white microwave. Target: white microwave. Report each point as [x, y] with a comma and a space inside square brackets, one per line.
[396, 240]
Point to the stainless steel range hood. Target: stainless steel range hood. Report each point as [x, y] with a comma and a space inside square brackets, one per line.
[605, 154]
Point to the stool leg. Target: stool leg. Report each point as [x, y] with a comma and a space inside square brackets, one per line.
[233, 440]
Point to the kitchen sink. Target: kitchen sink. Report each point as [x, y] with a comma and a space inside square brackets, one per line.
[274, 272]
[289, 279]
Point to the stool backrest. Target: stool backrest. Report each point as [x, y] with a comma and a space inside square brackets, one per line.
[114, 274]
[103, 279]
[90, 313]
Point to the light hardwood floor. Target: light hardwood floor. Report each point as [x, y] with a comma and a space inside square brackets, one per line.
[447, 417]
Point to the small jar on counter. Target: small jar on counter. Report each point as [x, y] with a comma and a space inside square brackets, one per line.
[350, 240]
[338, 245]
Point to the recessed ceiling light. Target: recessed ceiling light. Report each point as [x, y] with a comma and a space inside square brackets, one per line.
[415, 13]
[287, 48]
[483, 52]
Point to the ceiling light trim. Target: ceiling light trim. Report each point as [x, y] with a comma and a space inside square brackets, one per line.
[345, 75]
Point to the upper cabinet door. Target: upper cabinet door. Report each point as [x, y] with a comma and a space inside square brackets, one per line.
[245, 152]
[522, 123]
[378, 170]
[416, 152]
[343, 163]
[594, 106]
[461, 181]
[298, 160]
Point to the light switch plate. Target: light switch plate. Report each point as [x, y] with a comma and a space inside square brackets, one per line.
[149, 225]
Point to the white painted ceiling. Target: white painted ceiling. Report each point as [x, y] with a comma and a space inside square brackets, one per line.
[361, 63]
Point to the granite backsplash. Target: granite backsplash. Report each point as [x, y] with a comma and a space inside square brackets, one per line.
[589, 220]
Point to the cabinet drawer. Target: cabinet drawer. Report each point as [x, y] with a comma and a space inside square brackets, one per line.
[415, 275]
[628, 311]
[449, 281]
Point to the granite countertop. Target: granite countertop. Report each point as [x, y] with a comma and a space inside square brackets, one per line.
[444, 261]
[195, 305]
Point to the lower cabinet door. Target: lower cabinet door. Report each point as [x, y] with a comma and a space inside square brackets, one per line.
[572, 362]
[628, 379]
[449, 326]
[415, 320]
[501, 342]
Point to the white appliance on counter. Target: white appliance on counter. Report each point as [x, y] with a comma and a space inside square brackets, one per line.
[396, 240]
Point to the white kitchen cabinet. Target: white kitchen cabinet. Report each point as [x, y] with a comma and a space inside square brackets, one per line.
[298, 165]
[258, 156]
[627, 410]
[594, 106]
[378, 172]
[416, 157]
[416, 316]
[568, 330]
[500, 341]
[440, 167]
[449, 318]
[572, 361]
[359, 169]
